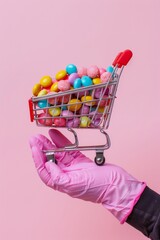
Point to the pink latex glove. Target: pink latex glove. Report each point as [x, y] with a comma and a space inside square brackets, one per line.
[80, 177]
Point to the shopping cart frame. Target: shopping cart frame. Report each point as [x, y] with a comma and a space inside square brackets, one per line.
[118, 64]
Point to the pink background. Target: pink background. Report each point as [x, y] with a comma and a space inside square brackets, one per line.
[41, 37]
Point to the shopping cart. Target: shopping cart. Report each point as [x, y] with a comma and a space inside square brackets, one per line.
[97, 117]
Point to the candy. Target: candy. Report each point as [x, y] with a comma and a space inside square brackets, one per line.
[71, 68]
[59, 122]
[54, 87]
[74, 106]
[45, 119]
[84, 110]
[96, 80]
[105, 77]
[101, 70]
[74, 123]
[64, 99]
[72, 78]
[42, 103]
[61, 75]
[85, 121]
[86, 81]
[82, 71]
[42, 92]
[36, 89]
[77, 83]
[110, 69]
[93, 72]
[46, 81]
[63, 85]
[68, 114]
[54, 112]
[88, 100]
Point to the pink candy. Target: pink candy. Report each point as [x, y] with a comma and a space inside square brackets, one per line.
[82, 71]
[105, 76]
[63, 85]
[93, 72]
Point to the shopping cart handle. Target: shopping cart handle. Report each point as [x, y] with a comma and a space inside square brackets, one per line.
[122, 58]
[30, 103]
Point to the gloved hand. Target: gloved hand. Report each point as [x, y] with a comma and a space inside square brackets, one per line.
[79, 177]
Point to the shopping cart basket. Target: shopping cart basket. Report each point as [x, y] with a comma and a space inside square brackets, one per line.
[97, 117]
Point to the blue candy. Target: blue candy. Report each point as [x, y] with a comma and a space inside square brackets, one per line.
[71, 68]
[86, 81]
[43, 104]
[77, 83]
[110, 69]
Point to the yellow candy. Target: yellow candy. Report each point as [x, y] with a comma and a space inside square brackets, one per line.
[74, 107]
[96, 80]
[61, 74]
[42, 92]
[85, 121]
[36, 89]
[54, 112]
[88, 98]
[54, 87]
[46, 81]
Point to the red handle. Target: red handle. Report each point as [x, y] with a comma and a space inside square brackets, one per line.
[122, 58]
[30, 103]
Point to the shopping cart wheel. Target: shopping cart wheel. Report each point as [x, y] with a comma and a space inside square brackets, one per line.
[51, 158]
[99, 159]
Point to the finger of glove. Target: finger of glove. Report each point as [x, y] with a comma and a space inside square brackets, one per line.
[39, 160]
[58, 179]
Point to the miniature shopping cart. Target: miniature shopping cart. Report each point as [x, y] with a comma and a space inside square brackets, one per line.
[97, 117]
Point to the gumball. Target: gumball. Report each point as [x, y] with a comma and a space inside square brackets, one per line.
[77, 83]
[98, 93]
[82, 93]
[96, 80]
[61, 75]
[64, 99]
[59, 122]
[88, 100]
[42, 92]
[72, 78]
[54, 111]
[54, 87]
[63, 85]
[105, 77]
[85, 121]
[101, 70]
[110, 69]
[103, 102]
[84, 110]
[86, 81]
[94, 115]
[74, 123]
[93, 72]
[63, 108]
[43, 103]
[74, 107]
[53, 100]
[67, 114]
[101, 109]
[45, 119]
[95, 123]
[71, 68]
[36, 89]
[46, 81]
[82, 71]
